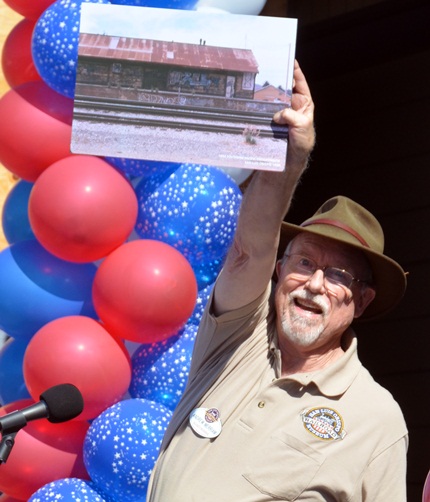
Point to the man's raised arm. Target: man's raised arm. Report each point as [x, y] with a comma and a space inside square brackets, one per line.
[251, 258]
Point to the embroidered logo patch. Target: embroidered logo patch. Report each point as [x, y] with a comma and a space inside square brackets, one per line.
[324, 423]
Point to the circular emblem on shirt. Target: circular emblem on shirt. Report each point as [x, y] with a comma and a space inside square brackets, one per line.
[323, 423]
[206, 422]
[211, 415]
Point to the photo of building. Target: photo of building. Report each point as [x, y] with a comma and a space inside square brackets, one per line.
[170, 85]
[125, 62]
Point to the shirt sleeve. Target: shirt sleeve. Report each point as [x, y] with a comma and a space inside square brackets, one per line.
[219, 336]
[385, 476]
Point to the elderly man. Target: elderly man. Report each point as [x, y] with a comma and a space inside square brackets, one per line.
[278, 405]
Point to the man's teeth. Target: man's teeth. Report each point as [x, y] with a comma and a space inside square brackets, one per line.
[308, 306]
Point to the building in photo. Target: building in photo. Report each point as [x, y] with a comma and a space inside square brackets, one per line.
[163, 66]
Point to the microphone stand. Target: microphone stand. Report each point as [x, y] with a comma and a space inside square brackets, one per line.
[6, 445]
[9, 430]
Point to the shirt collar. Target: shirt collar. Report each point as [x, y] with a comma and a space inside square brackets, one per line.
[335, 379]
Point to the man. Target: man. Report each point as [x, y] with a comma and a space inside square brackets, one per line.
[278, 405]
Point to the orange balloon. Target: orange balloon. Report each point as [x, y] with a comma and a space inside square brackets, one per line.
[144, 291]
[78, 350]
[37, 131]
[43, 452]
[81, 208]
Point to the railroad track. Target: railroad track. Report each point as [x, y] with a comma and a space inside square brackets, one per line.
[159, 115]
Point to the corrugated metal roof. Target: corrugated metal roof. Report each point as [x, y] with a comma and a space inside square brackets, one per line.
[174, 53]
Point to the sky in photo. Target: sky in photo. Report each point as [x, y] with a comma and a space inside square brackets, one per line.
[271, 39]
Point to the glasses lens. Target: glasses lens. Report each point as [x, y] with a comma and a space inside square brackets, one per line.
[307, 267]
[303, 265]
[338, 276]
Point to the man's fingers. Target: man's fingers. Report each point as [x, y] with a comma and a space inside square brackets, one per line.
[300, 84]
[296, 118]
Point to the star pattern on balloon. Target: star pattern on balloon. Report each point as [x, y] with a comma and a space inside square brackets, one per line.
[122, 445]
[160, 370]
[55, 44]
[68, 489]
[195, 210]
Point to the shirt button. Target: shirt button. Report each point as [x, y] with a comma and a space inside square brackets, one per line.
[261, 404]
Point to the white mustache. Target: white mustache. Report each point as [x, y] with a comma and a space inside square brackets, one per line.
[317, 300]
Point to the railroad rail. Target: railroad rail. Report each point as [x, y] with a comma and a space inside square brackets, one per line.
[159, 115]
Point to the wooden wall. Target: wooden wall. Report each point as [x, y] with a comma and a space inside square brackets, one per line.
[368, 68]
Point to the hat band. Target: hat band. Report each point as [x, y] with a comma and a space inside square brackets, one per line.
[338, 224]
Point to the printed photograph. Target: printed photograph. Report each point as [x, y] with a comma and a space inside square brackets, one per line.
[183, 86]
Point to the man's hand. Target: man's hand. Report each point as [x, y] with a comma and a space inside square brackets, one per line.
[300, 120]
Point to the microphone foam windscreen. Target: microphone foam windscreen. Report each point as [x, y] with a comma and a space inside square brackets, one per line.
[63, 401]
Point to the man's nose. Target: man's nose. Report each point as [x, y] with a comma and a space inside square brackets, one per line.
[316, 282]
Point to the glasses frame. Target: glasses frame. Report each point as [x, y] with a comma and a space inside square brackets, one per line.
[309, 273]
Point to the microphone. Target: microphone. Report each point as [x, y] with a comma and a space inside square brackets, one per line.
[58, 404]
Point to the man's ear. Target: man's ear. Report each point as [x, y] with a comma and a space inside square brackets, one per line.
[365, 296]
[277, 271]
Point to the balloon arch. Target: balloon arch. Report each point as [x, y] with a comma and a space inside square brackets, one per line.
[105, 276]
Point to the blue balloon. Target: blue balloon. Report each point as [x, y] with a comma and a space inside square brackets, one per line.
[122, 445]
[68, 489]
[55, 43]
[207, 272]
[137, 168]
[37, 287]
[201, 302]
[160, 370]
[16, 224]
[165, 4]
[194, 210]
[12, 384]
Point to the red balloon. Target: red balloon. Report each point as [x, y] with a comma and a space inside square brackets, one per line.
[35, 129]
[144, 291]
[6, 498]
[81, 208]
[31, 9]
[78, 350]
[426, 489]
[43, 452]
[17, 59]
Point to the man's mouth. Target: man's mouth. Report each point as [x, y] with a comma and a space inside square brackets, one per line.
[308, 306]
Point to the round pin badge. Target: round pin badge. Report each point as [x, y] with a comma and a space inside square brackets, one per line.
[206, 422]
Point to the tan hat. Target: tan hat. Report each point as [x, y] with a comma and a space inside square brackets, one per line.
[345, 221]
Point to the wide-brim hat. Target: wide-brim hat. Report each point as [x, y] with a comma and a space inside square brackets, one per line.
[343, 220]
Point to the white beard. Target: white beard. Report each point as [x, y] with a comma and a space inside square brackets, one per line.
[301, 330]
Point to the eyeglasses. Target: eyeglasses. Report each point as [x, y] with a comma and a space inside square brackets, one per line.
[306, 267]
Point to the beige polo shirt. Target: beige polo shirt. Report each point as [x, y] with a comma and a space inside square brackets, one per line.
[334, 435]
